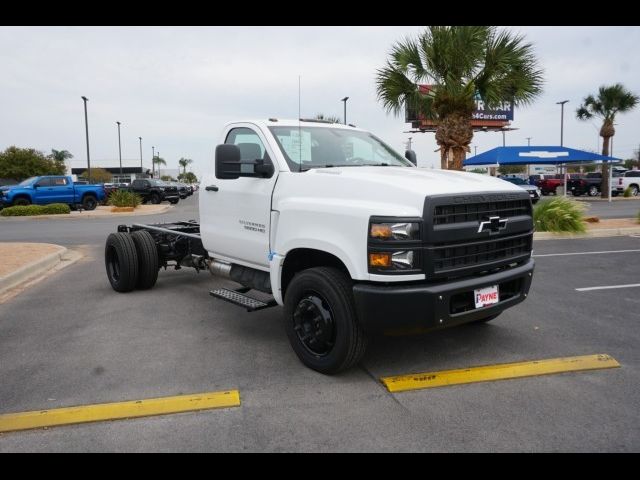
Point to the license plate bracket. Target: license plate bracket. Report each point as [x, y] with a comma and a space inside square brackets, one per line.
[486, 296]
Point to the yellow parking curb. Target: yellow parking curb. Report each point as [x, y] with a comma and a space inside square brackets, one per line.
[502, 371]
[113, 411]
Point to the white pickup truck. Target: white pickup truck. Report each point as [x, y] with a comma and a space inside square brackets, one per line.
[347, 235]
[631, 180]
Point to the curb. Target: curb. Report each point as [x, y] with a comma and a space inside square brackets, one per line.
[84, 215]
[596, 233]
[27, 272]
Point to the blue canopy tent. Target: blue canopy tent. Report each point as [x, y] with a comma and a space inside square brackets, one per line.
[537, 155]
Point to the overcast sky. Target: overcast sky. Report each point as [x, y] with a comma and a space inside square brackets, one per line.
[177, 87]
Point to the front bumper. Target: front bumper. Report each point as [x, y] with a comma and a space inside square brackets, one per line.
[398, 309]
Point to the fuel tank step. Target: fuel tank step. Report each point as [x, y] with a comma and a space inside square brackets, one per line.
[238, 297]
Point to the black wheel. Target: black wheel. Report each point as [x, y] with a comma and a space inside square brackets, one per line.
[121, 261]
[173, 202]
[634, 190]
[487, 319]
[321, 322]
[89, 202]
[21, 202]
[593, 191]
[155, 198]
[148, 263]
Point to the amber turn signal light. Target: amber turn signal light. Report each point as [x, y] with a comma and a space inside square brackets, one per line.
[380, 259]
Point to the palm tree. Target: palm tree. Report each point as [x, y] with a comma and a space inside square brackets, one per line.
[60, 156]
[159, 161]
[609, 102]
[184, 162]
[328, 118]
[460, 63]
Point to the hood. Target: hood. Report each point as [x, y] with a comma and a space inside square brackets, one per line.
[395, 191]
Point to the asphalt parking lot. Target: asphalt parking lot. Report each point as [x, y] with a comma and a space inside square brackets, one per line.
[72, 340]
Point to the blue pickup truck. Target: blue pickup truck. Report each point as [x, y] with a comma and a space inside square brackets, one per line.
[52, 189]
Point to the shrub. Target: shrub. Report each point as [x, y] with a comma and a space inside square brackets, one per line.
[124, 198]
[29, 210]
[627, 192]
[559, 215]
[56, 209]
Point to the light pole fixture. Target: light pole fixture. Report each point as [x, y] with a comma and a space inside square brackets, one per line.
[86, 128]
[140, 138]
[345, 108]
[119, 148]
[561, 120]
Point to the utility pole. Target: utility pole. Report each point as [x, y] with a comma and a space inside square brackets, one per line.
[529, 141]
[119, 149]
[140, 155]
[153, 162]
[86, 126]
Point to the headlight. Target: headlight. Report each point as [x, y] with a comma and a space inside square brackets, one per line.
[395, 231]
[394, 245]
[401, 260]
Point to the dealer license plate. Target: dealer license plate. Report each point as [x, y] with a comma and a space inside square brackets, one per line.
[486, 296]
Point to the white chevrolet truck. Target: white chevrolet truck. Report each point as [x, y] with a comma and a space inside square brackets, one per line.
[347, 235]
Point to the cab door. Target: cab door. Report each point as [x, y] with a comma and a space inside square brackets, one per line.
[235, 213]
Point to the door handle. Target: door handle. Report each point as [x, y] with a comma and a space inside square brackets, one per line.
[211, 188]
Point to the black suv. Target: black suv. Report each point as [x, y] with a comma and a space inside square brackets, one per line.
[154, 191]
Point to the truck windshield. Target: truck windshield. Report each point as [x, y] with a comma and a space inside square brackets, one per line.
[321, 147]
[27, 182]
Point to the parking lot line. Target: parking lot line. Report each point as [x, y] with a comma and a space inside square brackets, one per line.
[503, 371]
[584, 253]
[113, 411]
[608, 287]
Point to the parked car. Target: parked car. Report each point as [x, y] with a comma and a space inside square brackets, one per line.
[53, 189]
[154, 191]
[629, 179]
[534, 192]
[590, 184]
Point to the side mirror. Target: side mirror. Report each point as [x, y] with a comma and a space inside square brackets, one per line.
[35, 185]
[411, 156]
[229, 166]
[227, 162]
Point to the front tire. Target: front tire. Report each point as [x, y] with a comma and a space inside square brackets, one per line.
[121, 262]
[155, 199]
[148, 263]
[593, 191]
[21, 202]
[321, 321]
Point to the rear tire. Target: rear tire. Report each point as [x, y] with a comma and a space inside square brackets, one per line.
[89, 202]
[321, 321]
[155, 199]
[634, 190]
[121, 262]
[148, 263]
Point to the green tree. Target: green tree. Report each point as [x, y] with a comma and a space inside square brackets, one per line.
[20, 163]
[159, 161]
[609, 101]
[188, 177]
[511, 169]
[328, 118]
[630, 163]
[167, 178]
[98, 175]
[461, 63]
[184, 163]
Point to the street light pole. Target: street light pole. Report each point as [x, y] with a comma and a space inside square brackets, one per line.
[529, 141]
[140, 155]
[503, 140]
[345, 108]
[562, 120]
[475, 150]
[86, 127]
[119, 148]
[153, 162]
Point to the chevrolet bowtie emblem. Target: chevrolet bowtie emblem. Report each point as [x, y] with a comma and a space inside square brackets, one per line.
[493, 225]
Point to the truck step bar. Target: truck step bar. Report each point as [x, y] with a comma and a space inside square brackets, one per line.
[238, 297]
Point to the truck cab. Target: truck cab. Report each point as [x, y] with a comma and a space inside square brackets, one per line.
[349, 236]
